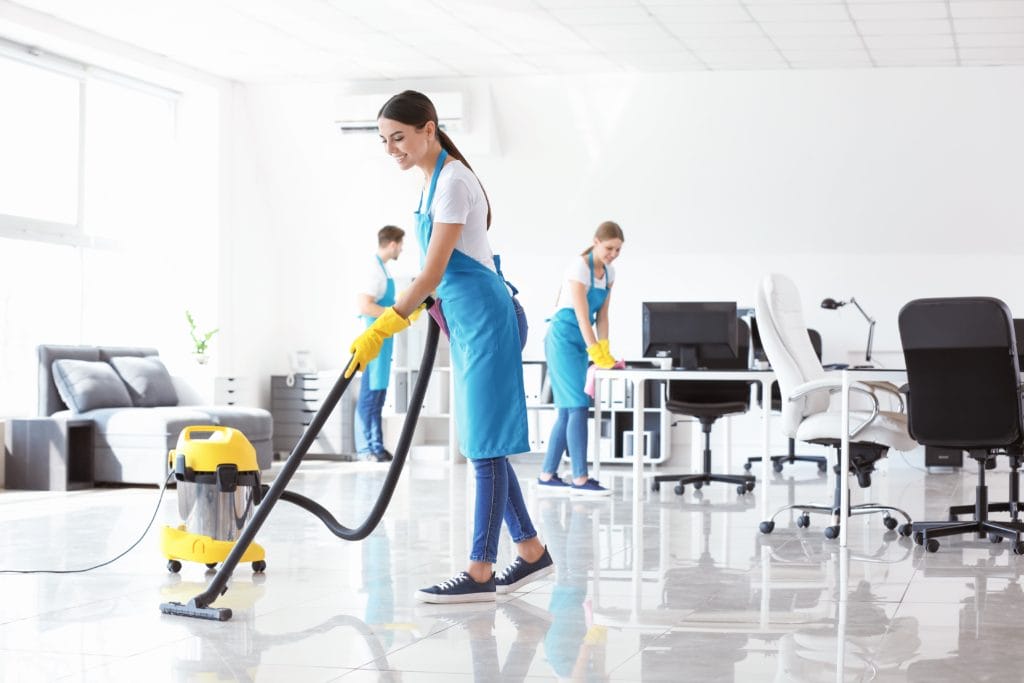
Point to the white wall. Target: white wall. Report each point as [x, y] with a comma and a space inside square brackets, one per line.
[885, 185]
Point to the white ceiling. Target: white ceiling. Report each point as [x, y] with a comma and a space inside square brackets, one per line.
[307, 40]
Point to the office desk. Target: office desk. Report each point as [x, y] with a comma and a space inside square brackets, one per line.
[641, 375]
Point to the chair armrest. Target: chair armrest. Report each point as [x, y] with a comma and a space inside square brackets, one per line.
[834, 385]
[892, 389]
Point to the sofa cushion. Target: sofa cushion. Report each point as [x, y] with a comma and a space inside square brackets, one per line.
[86, 385]
[148, 382]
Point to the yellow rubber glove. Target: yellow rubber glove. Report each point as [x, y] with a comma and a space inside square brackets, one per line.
[367, 346]
[600, 357]
[605, 344]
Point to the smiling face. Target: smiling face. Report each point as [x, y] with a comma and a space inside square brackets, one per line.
[608, 250]
[406, 144]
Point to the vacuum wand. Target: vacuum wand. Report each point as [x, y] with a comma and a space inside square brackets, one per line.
[199, 606]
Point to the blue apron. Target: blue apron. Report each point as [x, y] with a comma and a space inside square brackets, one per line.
[487, 361]
[566, 351]
[378, 370]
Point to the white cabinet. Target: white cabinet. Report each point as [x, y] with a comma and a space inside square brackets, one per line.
[235, 391]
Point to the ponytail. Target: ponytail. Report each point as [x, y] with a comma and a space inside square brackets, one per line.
[608, 230]
[449, 146]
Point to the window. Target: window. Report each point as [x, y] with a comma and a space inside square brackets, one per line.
[93, 187]
[39, 134]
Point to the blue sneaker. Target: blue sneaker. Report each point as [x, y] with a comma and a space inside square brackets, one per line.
[460, 588]
[591, 487]
[553, 485]
[522, 572]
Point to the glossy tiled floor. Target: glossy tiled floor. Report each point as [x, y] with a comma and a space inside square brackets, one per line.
[681, 589]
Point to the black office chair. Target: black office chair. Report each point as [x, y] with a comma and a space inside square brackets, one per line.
[707, 401]
[964, 392]
[791, 457]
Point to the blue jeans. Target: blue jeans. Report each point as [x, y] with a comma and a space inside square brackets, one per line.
[497, 496]
[369, 408]
[570, 431]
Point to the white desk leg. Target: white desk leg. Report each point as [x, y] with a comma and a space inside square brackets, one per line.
[766, 415]
[844, 461]
[638, 441]
[595, 432]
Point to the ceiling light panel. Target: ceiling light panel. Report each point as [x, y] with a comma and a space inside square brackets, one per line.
[899, 10]
[1004, 25]
[602, 15]
[987, 9]
[903, 28]
[699, 13]
[805, 12]
[715, 29]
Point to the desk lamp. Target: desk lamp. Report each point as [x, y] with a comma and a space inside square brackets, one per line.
[832, 305]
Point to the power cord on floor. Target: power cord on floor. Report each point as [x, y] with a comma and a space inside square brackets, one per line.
[110, 561]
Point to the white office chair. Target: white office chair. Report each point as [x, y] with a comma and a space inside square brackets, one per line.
[807, 411]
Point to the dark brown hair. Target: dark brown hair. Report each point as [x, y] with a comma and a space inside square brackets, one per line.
[609, 230]
[415, 109]
[388, 234]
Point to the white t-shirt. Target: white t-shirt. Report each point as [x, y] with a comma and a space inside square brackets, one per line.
[579, 271]
[458, 198]
[375, 280]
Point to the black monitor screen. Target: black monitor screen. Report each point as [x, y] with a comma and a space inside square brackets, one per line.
[688, 331]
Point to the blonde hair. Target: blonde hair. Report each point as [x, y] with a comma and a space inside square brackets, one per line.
[609, 230]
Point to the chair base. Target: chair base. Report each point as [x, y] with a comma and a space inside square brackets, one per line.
[862, 462]
[779, 460]
[744, 482]
[927, 533]
[789, 458]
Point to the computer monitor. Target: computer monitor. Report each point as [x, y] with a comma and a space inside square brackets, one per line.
[689, 331]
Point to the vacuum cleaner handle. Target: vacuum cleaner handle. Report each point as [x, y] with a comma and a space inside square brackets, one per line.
[199, 606]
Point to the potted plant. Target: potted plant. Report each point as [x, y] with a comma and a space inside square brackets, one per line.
[200, 341]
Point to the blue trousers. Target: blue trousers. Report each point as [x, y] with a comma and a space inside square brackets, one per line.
[570, 431]
[369, 408]
[498, 497]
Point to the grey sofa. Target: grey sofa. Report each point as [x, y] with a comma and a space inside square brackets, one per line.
[131, 443]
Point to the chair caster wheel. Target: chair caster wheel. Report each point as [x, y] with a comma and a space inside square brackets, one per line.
[919, 538]
[211, 565]
[173, 566]
[995, 538]
[746, 466]
[679, 489]
[932, 546]
[741, 489]
[822, 467]
[259, 566]
[698, 485]
[906, 529]
[832, 532]
[749, 485]
[803, 521]
[767, 527]
[655, 486]
[890, 523]
[777, 466]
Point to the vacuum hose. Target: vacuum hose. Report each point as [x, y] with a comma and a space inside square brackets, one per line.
[199, 606]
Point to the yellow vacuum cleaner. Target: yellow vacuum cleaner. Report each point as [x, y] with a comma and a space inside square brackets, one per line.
[218, 486]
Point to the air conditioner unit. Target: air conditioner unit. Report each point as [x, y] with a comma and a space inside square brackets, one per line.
[358, 113]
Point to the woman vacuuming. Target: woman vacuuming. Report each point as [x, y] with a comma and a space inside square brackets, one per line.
[451, 222]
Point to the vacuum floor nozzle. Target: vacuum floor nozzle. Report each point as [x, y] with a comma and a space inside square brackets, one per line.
[191, 610]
